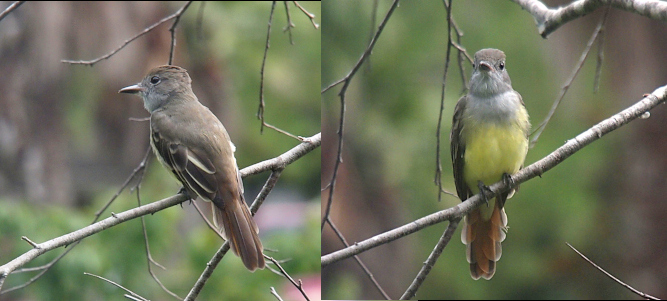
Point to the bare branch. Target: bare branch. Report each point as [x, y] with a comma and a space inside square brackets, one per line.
[298, 286]
[438, 165]
[262, 104]
[430, 262]
[137, 172]
[82, 233]
[540, 128]
[548, 20]
[10, 8]
[361, 264]
[128, 41]
[309, 15]
[274, 293]
[172, 29]
[573, 145]
[277, 163]
[640, 294]
[308, 145]
[135, 295]
[208, 271]
[290, 25]
[206, 220]
[149, 258]
[260, 110]
[346, 80]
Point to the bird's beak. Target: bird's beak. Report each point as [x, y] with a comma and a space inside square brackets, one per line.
[134, 89]
[483, 66]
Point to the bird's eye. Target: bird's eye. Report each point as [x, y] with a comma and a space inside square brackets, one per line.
[473, 65]
[501, 66]
[155, 80]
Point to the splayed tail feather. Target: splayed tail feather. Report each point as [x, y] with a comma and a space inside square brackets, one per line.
[240, 230]
[483, 239]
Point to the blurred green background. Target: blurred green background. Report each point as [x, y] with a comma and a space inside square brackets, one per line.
[607, 200]
[67, 144]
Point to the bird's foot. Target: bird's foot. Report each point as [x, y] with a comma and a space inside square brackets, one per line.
[483, 189]
[185, 191]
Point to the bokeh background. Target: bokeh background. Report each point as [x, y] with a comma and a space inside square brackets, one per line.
[67, 144]
[607, 200]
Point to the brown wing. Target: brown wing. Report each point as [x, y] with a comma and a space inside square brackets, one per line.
[457, 147]
[196, 172]
[211, 173]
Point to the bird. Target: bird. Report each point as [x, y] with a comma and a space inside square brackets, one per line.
[489, 143]
[191, 142]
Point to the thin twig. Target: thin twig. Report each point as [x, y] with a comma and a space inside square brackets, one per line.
[275, 294]
[371, 32]
[200, 21]
[358, 260]
[346, 80]
[172, 29]
[78, 235]
[307, 145]
[289, 25]
[207, 221]
[177, 14]
[600, 57]
[540, 128]
[640, 294]
[148, 251]
[73, 238]
[430, 262]
[298, 286]
[208, 271]
[138, 171]
[118, 285]
[10, 8]
[262, 104]
[30, 242]
[260, 110]
[309, 15]
[438, 164]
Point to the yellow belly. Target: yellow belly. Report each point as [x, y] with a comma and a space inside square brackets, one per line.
[492, 150]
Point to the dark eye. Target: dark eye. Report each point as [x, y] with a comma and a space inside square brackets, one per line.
[501, 66]
[155, 80]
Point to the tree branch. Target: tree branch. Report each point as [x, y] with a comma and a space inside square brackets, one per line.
[540, 128]
[10, 8]
[548, 20]
[277, 163]
[432, 258]
[308, 145]
[176, 15]
[536, 169]
[341, 125]
[67, 239]
[632, 289]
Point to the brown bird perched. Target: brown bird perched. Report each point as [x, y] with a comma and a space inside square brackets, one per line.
[193, 144]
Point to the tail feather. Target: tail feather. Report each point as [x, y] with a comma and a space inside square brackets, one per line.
[483, 240]
[240, 230]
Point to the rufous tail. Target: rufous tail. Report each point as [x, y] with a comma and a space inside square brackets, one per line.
[482, 238]
[240, 230]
